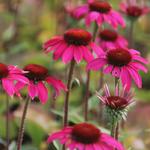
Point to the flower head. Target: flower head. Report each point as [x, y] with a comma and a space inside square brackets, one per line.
[122, 63]
[111, 39]
[100, 12]
[37, 76]
[85, 136]
[10, 74]
[134, 9]
[117, 104]
[75, 44]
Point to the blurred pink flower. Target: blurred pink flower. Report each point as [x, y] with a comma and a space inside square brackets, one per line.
[37, 76]
[70, 8]
[134, 8]
[111, 39]
[122, 63]
[118, 100]
[85, 136]
[100, 12]
[75, 44]
[9, 75]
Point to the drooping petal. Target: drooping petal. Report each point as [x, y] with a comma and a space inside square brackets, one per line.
[19, 78]
[59, 52]
[97, 49]
[125, 78]
[96, 64]
[19, 86]
[68, 54]
[8, 86]
[58, 85]
[135, 76]
[53, 41]
[87, 54]
[138, 66]
[78, 54]
[42, 92]
[32, 89]
[111, 142]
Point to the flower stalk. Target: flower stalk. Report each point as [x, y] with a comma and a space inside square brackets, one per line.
[21, 130]
[70, 75]
[7, 122]
[87, 92]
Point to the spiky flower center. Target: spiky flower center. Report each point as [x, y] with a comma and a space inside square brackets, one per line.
[3, 70]
[36, 72]
[116, 102]
[119, 57]
[77, 37]
[99, 6]
[134, 11]
[108, 35]
[86, 133]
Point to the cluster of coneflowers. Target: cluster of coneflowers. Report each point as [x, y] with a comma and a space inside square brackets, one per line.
[105, 51]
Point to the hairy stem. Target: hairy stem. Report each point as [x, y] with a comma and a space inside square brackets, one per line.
[21, 130]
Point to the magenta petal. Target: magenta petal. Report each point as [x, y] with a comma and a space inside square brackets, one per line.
[87, 55]
[59, 51]
[97, 49]
[57, 84]
[78, 54]
[8, 86]
[125, 78]
[18, 77]
[111, 142]
[108, 69]
[42, 92]
[32, 88]
[68, 54]
[138, 66]
[19, 86]
[116, 72]
[52, 42]
[80, 11]
[135, 76]
[96, 64]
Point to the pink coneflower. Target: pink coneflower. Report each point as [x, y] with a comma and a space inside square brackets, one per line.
[75, 44]
[85, 136]
[37, 76]
[111, 39]
[134, 8]
[117, 101]
[9, 75]
[99, 11]
[122, 63]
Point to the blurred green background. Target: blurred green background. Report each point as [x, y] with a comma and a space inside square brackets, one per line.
[24, 26]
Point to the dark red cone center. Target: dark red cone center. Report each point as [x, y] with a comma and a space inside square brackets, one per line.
[134, 11]
[119, 57]
[77, 37]
[108, 35]
[102, 7]
[36, 72]
[117, 102]
[3, 70]
[86, 133]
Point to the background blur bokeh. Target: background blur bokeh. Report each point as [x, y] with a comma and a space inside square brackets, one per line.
[24, 26]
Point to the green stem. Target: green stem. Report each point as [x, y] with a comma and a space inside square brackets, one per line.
[21, 130]
[87, 92]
